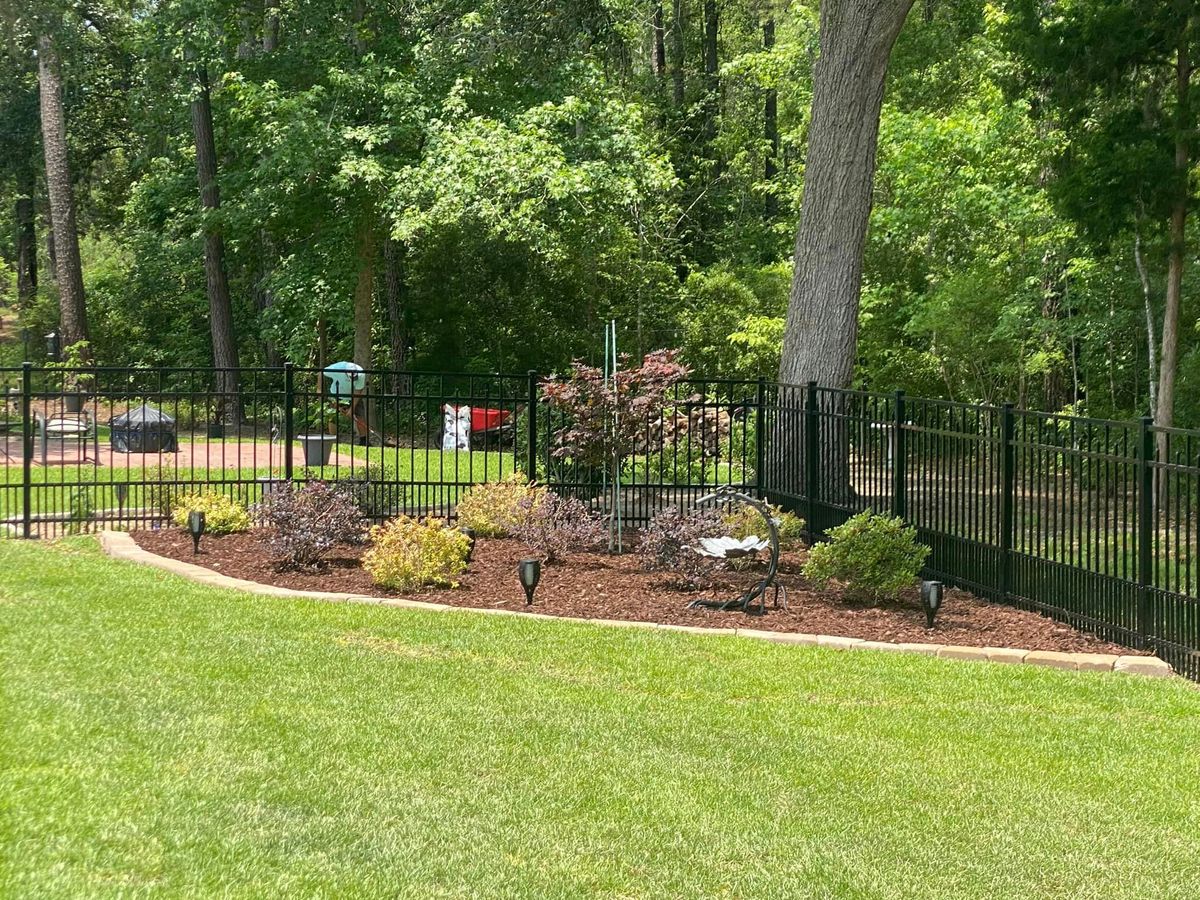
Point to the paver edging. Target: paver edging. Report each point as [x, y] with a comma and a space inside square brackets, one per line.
[120, 545]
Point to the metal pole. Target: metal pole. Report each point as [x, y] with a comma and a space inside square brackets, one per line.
[812, 433]
[289, 424]
[27, 449]
[1145, 529]
[760, 442]
[1008, 488]
[898, 458]
[533, 424]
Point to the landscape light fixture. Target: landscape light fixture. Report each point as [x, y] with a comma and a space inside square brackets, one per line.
[530, 572]
[52, 346]
[931, 599]
[121, 489]
[196, 525]
[469, 532]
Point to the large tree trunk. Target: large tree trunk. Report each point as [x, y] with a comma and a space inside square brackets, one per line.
[821, 334]
[770, 131]
[73, 325]
[270, 39]
[26, 239]
[677, 54]
[393, 284]
[220, 307]
[1177, 236]
[364, 293]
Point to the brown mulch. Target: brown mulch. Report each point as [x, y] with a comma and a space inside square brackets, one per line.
[600, 586]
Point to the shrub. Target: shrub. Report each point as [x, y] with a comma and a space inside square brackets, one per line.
[498, 508]
[557, 524]
[305, 523]
[666, 541]
[407, 554]
[743, 521]
[222, 514]
[876, 555]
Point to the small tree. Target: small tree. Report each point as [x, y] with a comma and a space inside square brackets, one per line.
[607, 414]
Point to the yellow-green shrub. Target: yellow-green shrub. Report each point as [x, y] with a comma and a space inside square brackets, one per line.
[222, 514]
[743, 521]
[499, 508]
[407, 554]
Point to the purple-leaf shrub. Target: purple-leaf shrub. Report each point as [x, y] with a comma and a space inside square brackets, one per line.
[606, 420]
[304, 523]
[556, 525]
[666, 543]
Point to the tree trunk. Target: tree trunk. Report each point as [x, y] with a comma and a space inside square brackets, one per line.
[821, 333]
[26, 239]
[712, 80]
[658, 53]
[1177, 237]
[770, 132]
[73, 326]
[270, 39]
[364, 292]
[677, 54]
[1151, 339]
[220, 307]
[393, 282]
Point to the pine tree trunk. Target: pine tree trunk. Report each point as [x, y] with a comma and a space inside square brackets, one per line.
[270, 39]
[220, 307]
[26, 239]
[364, 293]
[820, 338]
[658, 54]
[73, 325]
[1164, 415]
[677, 54]
[393, 285]
[712, 80]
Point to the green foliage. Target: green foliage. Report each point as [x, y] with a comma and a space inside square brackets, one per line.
[222, 513]
[743, 521]
[406, 554]
[871, 554]
[499, 508]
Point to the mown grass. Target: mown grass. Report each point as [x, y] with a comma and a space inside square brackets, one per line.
[164, 738]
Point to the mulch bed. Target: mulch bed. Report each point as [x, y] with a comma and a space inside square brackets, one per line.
[600, 586]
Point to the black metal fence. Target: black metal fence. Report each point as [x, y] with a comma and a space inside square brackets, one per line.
[1092, 522]
[1089, 521]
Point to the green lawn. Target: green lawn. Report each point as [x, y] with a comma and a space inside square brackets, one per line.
[164, 738]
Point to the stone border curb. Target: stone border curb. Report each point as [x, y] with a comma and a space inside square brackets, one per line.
[120, 545]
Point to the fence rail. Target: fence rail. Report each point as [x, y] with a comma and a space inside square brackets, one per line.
[1090, 521]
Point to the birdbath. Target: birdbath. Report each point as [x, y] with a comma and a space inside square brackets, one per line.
[730, 548]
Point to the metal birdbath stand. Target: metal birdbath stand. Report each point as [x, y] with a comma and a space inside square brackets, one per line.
[733, 550]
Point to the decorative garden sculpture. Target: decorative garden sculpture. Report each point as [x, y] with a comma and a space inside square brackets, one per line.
[734, 548]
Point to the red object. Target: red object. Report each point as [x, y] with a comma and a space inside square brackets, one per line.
[484, 419]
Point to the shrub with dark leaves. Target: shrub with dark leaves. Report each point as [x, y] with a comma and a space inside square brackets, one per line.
[667, 541]
[555, 525]
[304, 523]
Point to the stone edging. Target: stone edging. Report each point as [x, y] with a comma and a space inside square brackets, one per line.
[121, 545]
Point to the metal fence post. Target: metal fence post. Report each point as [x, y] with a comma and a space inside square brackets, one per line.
[899, 458]
[760, 439]
[27, 450]
[1008, 491]
[289, 424]
[812, 432]
[532, 435]
[1145, 526]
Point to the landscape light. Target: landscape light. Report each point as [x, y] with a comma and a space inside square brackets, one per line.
[469, 533]
[121, 489]
[530, 572]
[931, 599]
[196, 525]
[52, 346]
